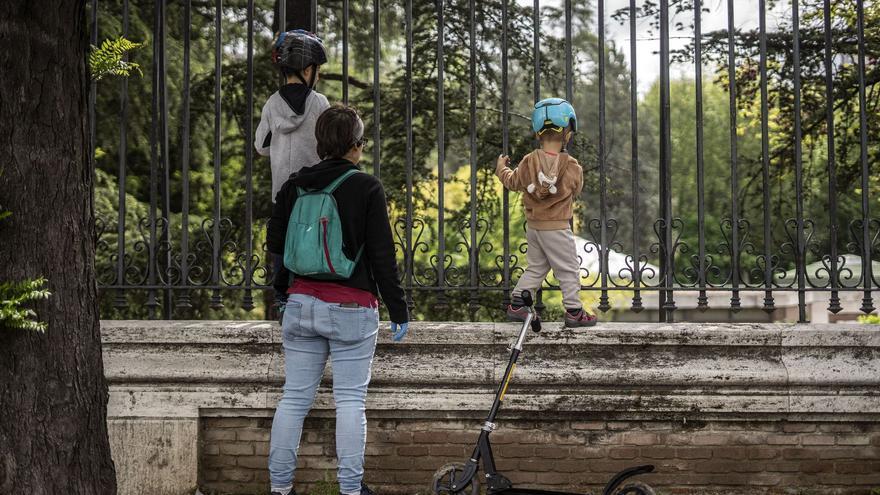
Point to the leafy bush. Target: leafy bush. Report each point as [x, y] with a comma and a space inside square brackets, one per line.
[109, 60]
[13, 296]
[871, 320]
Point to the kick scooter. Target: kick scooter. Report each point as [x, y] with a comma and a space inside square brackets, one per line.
[462, 478]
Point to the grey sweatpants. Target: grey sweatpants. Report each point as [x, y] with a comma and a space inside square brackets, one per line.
[552, 249]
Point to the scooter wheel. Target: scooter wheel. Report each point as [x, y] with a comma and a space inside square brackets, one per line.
[635, 488]
[445, 476]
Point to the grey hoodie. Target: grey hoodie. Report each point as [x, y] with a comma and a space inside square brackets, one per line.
[292, 144]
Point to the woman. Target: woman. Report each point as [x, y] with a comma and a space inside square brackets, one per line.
[337, 318]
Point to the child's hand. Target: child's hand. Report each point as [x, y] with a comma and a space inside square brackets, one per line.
[503, 161]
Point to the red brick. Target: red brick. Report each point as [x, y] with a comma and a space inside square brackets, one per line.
[607, 466]
[568, 439]
[640, 438]
[763, 453]
[657, 452]
[413, 477]
[237, 423]
[783, 466]
[551, 452]
[587, 425]
[729, 452]
[750, 466]
[211, 449]
[412, 450]
[693, 452]
[836, 427]
[566, 466]
[216, 434]
[853, 440]
[261, 448]
[237, 448]
[799, 427]
[219, 461]
[536, 465]
[456, 451]
[582, 452]
[311, 449]
[252, 462]
[817, 467]
[715, 466]
[235, 474]
[622, 425]
[857, 467]
[783, 439]
[710, 439]
[252, 435]
[764, 479]
[623, 452]
[799, 454]
[817, 440]
[515, 452]
[749, 438]
[551, 479]
[403, 437]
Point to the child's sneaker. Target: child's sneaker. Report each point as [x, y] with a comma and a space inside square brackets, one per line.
[519, 313]
[579, 318]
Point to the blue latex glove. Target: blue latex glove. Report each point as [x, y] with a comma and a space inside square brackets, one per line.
[398, 331]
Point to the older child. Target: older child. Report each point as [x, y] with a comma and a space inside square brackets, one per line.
[287, 124]
[550, 180]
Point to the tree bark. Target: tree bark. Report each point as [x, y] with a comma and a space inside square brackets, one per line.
[53, 396]
[299, 14]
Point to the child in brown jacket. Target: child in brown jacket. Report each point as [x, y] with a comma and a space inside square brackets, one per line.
[549, 179]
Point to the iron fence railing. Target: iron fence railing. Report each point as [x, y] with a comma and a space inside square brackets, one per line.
[165, 268]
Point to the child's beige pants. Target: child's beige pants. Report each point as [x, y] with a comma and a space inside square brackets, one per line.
[552, 249]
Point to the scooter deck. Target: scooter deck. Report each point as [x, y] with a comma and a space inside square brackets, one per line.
[530, 491]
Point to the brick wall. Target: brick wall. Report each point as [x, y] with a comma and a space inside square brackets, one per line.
[691, 457]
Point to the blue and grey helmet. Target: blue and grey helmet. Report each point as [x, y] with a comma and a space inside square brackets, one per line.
[553, 113]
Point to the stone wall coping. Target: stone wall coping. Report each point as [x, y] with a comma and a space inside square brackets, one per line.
[193, 332]
[182, 368]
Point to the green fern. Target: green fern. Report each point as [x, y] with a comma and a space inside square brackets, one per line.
[109, 59]
[13, 295]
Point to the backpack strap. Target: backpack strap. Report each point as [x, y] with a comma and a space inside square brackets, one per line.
[339, 180]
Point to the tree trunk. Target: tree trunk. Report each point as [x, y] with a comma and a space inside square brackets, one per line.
[53, 396]
[299, 14]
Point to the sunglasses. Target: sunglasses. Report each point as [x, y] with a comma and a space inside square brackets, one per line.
[362, 142]
[553, 128]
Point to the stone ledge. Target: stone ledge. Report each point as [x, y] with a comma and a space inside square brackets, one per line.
[176, 369]
[167, 378]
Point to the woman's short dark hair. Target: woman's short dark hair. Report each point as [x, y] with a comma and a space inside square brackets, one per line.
[337, 131]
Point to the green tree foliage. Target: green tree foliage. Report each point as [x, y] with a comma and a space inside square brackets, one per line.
[14, 296]
[815, 157]
[110, 59]
[147, 161]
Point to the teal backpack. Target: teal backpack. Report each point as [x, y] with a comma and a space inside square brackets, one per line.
[313, 245]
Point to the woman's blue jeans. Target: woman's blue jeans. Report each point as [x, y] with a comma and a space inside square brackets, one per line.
[312, 331]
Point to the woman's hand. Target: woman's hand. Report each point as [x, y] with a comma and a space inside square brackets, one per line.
[398, 331]
[502, 163]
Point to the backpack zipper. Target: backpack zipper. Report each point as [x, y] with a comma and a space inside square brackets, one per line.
[324, 222]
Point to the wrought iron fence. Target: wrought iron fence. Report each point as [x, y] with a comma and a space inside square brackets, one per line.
[177, 259]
